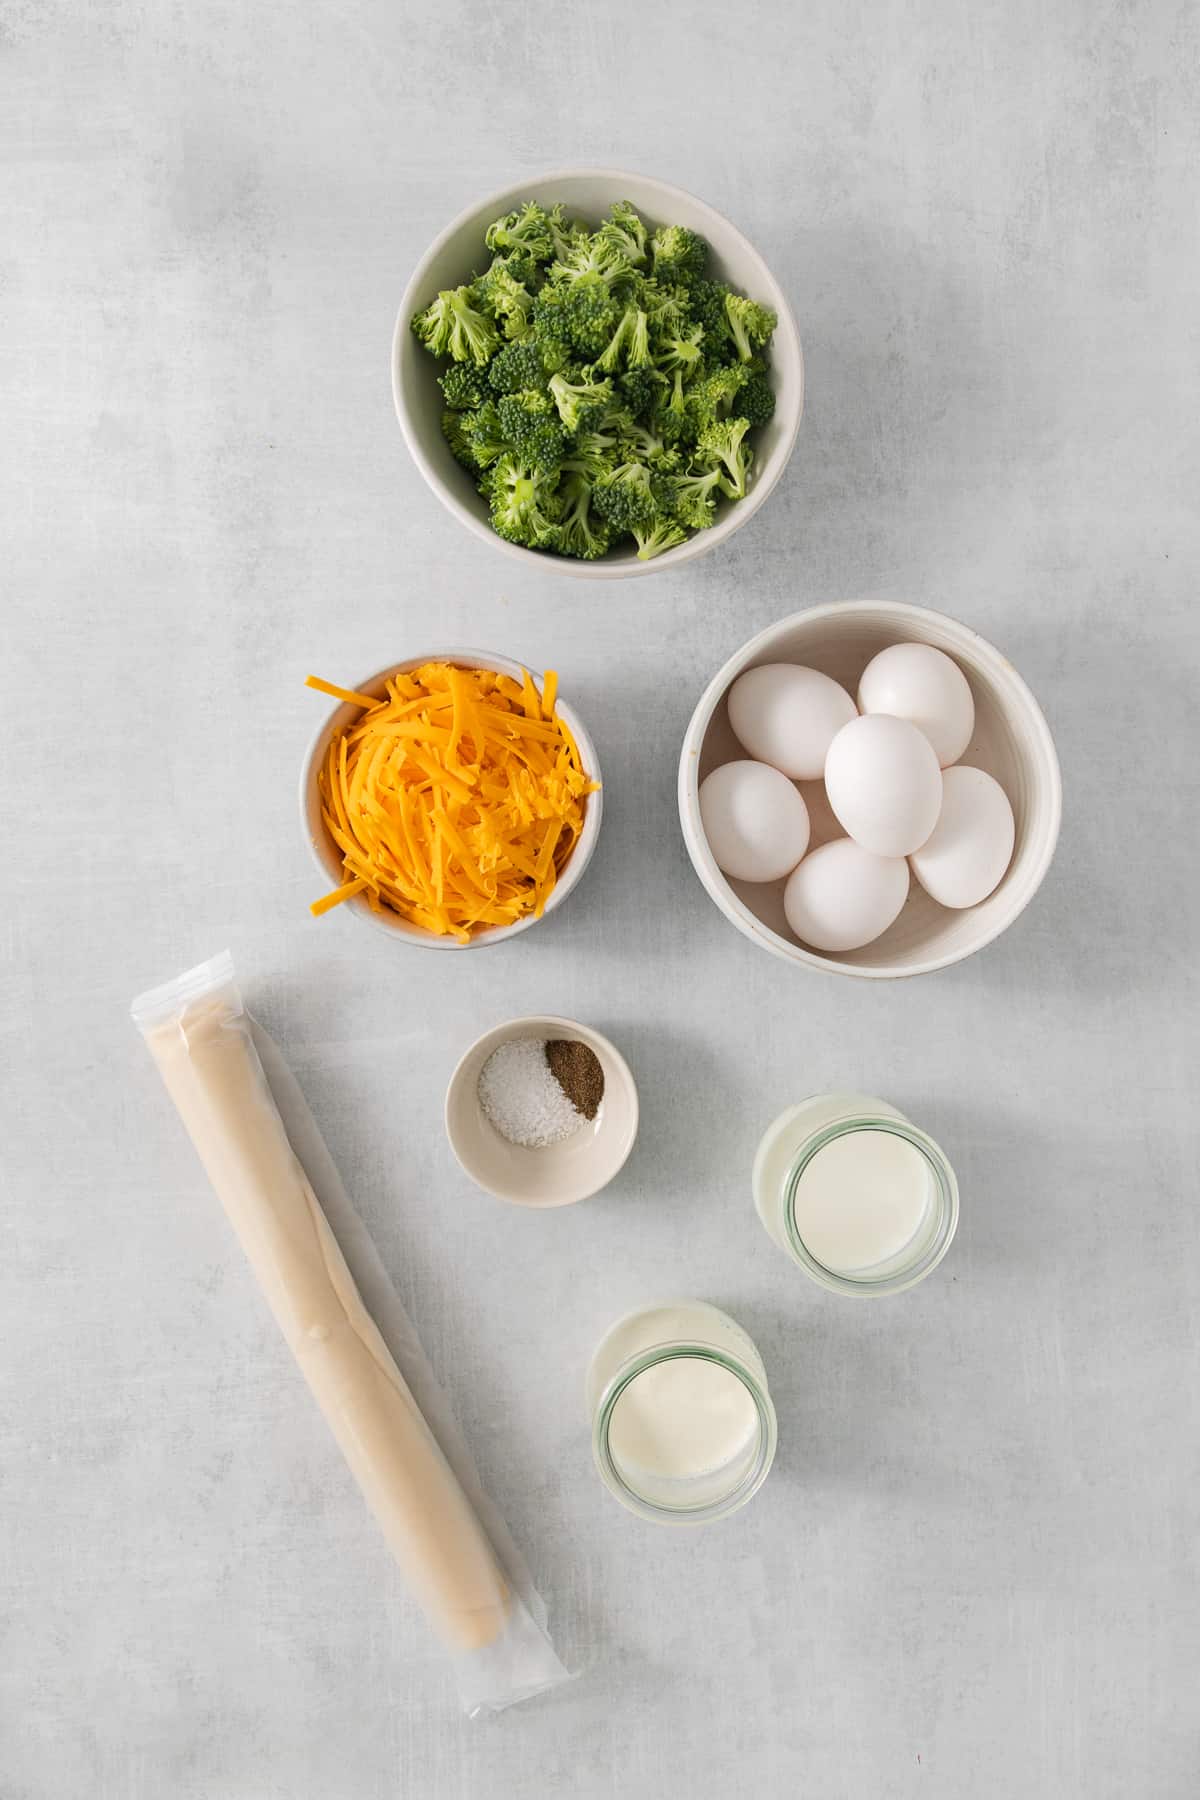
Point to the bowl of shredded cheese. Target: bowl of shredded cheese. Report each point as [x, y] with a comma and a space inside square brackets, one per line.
[451, 800]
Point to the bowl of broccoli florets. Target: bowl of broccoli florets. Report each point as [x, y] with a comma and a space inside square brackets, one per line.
[598, 370]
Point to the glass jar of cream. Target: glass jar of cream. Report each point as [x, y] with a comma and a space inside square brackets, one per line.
[865, 1202]
[683, 1429]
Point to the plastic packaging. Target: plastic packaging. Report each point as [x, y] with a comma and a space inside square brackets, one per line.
[355, 1345]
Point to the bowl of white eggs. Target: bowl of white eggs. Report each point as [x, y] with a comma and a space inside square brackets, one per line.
[870, 787]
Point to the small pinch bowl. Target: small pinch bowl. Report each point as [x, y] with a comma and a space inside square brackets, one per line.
[589, 193]
[325, 853]
[557, 1174]
[1011, 741]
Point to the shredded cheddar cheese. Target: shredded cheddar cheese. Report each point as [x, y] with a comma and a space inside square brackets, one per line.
[454, 801]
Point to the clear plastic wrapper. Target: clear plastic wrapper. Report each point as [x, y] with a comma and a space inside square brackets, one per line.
[352, 1339]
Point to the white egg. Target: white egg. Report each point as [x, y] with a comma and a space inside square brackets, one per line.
[920, 684]
[842, 896]
[884, 784]
[788, 716]
[972, 843]
[755, 821]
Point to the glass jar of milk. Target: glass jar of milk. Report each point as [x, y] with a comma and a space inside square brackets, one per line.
[865, 1202]
[683, 1429]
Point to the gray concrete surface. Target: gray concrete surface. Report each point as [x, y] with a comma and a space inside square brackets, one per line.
[974, 1570]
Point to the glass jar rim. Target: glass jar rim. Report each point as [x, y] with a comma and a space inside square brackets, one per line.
[741, 1491]
[947, 1192]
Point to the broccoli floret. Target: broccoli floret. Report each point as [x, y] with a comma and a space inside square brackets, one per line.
[582, 316]
[643, 442]
[579, 402]
[680, 350]
[679, 254]
[749, 323]
[632, 336]
[593, 453]
[592, 259]
[706, 304]
[713, 398]
[641, 390]
[674, 418]
[666, 307]
[464, 385]
[525, 504]
[756, 401]
[530, 424]
[692, 498]
[486, 434]
[517, 366]
[566, 234]
[461, 448]
[453, 326]
[627, 496]
[505, 298]
[527, 230]
[721, 446]
[652, 540]
[625, 232]
[580, 532]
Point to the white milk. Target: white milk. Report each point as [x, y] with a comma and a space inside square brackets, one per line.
[862, 1200]
[686, 1430]
[873, 1207]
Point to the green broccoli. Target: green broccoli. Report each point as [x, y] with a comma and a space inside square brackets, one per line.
[721, 446]
[517, 366]
[692, 498]
[674, 418]
[749, 323]
[625, 232]
[507, 300]
[526, 231]
[714, 396]
[531, 428]
[756, 401]
[599, 385]
[525, 506]
[592, 259]
[653, 539]
[579, 402]
[632, 336]
[453, 326]
[583, 316]
[679, 254]
[486, 434]
[593, 453]
[461, 447]
[680, 351]
[706, 306]
[627, 496]
[566, 234]
[464, 385]
[641, 389]
[580, 533]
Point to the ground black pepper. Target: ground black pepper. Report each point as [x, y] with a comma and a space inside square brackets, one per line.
[578, 1073]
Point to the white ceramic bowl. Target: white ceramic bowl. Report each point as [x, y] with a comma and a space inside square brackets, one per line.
[1011, 741]
[325, 853]
[459, 251]
[558, 1174]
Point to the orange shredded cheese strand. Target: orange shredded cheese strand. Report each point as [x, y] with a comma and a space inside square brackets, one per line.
[455, 801]
[347, 695]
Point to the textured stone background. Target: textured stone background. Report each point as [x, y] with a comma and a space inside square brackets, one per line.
[974, 1571]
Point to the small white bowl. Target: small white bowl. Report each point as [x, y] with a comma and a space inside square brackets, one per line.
[1011, 741]
[459, 251]
[328, 859]
[558, 1174]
